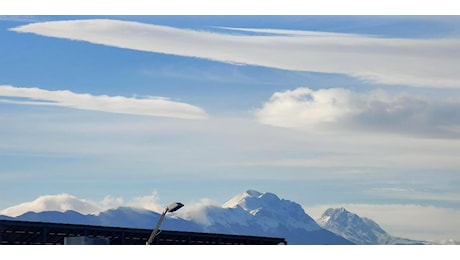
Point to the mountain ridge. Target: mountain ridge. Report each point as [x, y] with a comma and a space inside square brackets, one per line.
[248, 213]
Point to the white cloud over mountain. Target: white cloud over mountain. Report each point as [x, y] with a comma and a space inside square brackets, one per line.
[148, 106]
[198, 211]
[64, 201]
[409, 221]
[413, 62]
[60, 202]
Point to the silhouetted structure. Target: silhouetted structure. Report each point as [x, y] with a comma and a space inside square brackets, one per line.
[14, 232]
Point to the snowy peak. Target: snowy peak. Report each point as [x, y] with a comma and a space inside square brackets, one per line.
[244, 200]
[253, 201]
[337, 211]
[358, 230]
[338, 217]
[272, 212]
[351, 226]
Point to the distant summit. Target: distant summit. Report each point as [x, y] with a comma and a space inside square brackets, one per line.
[362, 231]
[270, 211]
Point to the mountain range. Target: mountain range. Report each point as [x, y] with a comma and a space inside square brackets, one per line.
[248, 213]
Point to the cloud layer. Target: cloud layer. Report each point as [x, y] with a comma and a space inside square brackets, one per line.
[335, 109]
[149, 106]
[414, 62]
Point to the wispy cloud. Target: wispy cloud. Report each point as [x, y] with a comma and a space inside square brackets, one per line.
[401, 193]
[338, 109]
[413, 62]
[148, 106]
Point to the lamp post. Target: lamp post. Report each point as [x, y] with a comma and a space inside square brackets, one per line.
[171, 208]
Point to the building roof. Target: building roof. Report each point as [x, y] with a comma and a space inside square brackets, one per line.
[14, 232]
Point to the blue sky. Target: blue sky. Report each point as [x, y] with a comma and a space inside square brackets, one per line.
[358, 111]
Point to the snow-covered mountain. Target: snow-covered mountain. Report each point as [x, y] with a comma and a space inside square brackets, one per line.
[362, 231]
[265, 214]
[249, 213]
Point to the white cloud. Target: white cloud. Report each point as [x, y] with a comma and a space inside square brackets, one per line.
[110, 202]
[63, 202]
[60, 202]
[149, 202]
[407, 221]
[334, 110]
[198, 211]
[414, 62]
[305, 108]
[148, 106]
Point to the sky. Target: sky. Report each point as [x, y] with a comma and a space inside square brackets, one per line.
[359, 111]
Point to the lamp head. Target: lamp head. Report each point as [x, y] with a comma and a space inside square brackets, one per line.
[174, 206]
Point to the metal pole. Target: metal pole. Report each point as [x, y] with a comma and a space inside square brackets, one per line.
[156, 230]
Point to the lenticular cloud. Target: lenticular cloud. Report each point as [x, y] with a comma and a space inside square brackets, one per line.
[412, 62]
[149, 106]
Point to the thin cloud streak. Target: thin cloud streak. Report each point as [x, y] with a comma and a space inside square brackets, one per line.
[149, 106]
[413, 62]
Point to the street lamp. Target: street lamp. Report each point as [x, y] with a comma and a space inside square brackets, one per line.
[171, 208]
